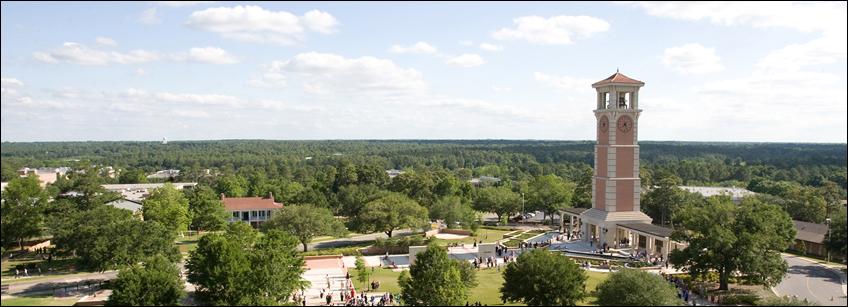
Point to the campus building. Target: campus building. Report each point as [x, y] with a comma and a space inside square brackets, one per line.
[252, 210]
[616, 219]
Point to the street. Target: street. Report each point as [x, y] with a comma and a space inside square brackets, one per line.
[812, 281]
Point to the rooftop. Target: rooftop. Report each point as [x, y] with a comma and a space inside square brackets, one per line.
[249, 203]
[651, 229]
[810, 232]
[618, 78]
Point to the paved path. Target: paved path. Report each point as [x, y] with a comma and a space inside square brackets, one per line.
[353, 240]
[47, 284]
[812, 281]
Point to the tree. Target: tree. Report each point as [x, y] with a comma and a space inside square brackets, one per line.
[663, 201]
[467, 273]
[352, 198]
[156, 283]
[433, 280]
[240, 268]
[636, 288]
[391, 212]
[454, 212]
[362, 272]
[727, 238]
[550, 194]
[542, 278]
[305, 222]
[169, 207]
[501, 201]
[836, 243]
[206, 209]
[107, 238]
[24, 202]
[232, 186]
[132, 175]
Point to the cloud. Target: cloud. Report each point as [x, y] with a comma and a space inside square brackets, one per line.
[80, 54]
[321, 22]
[827, 18]
[140, 72]
[254, 24]
[564, 82]
[419, 47]
[802, 16]
[210, 55]
[150, 17]
[76, 53]
[501, 89]
[182, 3]
[12, 96]
[105, 41]
[692, 58]
[332, 74]
[466, 60]
[490, 47]
[557, 30]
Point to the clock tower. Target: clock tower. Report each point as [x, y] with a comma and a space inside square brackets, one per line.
[616, 188]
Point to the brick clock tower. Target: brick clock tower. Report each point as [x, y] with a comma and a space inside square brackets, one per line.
[616, 185]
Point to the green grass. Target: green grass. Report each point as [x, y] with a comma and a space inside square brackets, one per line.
[38, 301]
[488, 235]
[487, 291]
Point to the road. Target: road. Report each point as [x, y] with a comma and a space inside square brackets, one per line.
[352, 241]
[812, 281]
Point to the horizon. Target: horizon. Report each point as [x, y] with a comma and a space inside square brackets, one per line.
[713, 72]
[414, 140]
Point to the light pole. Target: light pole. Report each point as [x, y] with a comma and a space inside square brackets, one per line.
[827, 221]
[522, 204]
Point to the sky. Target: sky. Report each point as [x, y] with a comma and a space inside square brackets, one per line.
[143, 71]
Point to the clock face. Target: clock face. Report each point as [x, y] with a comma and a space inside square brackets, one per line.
[603, 124]
[625, 124]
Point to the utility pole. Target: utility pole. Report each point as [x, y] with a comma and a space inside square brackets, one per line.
[827, 221]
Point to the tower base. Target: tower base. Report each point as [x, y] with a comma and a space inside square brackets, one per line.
[601, 226]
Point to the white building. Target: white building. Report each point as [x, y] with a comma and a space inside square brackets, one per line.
[140, 191]
[252, 210]
[736, 194]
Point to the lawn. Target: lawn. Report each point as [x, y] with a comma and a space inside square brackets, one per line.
[487, 291]
[38, 301]
[487, 235]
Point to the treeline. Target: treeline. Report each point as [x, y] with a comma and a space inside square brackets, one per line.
[695, 163]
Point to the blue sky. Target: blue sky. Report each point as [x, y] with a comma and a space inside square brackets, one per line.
[146, 70]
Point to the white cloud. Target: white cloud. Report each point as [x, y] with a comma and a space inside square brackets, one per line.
[501, 89]
[13, 97]
[803, 16]
[564, 82]
[269, 79]
[824, 50]
[11, 83]
[827, 18]
[419, 47]
[557, 30]
[331, 74]
[182, 3]
[490, 47]
[692, 58]
[210, 55]
[105, 41]
[149, 17]
[321, 22]
[76, 53]
[254, 24]
[140, 72]
[466, 60]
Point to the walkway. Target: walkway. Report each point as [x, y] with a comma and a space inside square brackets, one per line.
[48, 284]
[354, 240]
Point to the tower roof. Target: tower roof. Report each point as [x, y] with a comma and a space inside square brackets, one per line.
[619, 78]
